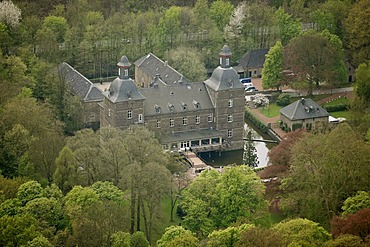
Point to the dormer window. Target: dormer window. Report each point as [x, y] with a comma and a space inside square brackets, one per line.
[184, 107]
[171, 107]
[196, 104]
[157, 109]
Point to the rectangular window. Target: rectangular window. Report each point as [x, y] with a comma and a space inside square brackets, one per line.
[229, 118]
[210, 118]
[129, 114]
[197, 119]
[158, 124]
[184, 121]
[108, 112]
[227, 61]
[230, 103]
[172, 122]
[126, 72]
[229, 133]
[140, 118]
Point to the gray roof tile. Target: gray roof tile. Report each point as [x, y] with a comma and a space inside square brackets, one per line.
[223, 79]
[303, 109]
[178, 96]
[123, 90]
[80, 85]
[253, 59]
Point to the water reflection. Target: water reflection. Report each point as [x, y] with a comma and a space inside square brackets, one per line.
[236, 157]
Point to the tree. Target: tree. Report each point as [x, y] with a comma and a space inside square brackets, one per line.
[29, 191]
[315, 58]
[324, 173]
[169, 26]
[65, 175]
[273, 67]
[250, 152]
[177, 236]
[138, 240]
[220, 12]
[121, 239]
[289, 28]
[227, 237]
[355, 203]
[356, 224]
[216, 200]
[302, 232]
[9, 13]
[39, 241]
[362, 85]
[282, 153]
[18, 230]
[187, 61]
[345, 240]
[357, 31]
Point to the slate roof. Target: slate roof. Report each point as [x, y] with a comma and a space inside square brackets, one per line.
[223, 79]
[152, 66]
[176, 97]
[123, 90]
[303, 109]
[80, 85]
[253, 59]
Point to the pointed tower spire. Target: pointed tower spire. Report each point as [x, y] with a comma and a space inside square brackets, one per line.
[123, 66]
[225, 55]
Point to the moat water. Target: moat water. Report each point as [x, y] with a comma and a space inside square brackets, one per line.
[217, 159]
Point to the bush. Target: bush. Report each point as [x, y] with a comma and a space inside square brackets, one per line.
[260, 125]
[334, 108]
[283, 99]
[296, 126]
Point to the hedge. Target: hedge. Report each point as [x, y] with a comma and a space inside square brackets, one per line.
[260, 125]
[334, 108]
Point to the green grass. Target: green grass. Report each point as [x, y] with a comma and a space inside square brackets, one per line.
[339, 101]
[344, 114]
[272, 110]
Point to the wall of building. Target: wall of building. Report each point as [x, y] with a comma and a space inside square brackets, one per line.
[141, 78]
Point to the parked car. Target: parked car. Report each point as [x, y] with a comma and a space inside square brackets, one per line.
[250, 89]
[247, 82]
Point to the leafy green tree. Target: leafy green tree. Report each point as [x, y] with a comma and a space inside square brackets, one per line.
[11, 207]
[273, 67]
[216, 200]
[220, 12]
[18, 230]
[107, 191]
[177, 236]
[362, 85]
[78, 199]
[29, 191]
[58, 25]
[324, 173]
[65, 175]
[354, 203]
[289, 27]
[187, 61]
[316, 58]
[345, 240]
[121, 239]
[260, 237]
[170, 26]
[250, 152]
[39, 241]
[302, 232]
[357, 31]
[138, 239]
[227, 237]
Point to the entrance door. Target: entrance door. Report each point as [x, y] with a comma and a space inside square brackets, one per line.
[185, 144]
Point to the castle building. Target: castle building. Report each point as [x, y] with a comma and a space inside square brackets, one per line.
[203, 116]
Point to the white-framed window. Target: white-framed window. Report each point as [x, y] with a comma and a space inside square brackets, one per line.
[220, 60]
[230, 133]
[158, 124]
[184, 121]
[129, 114]
[230, 103]
[172, 122]
[210, 118]
[229, 118]
[126, 72]
[140, 118]
[227, 61]
[197, 119]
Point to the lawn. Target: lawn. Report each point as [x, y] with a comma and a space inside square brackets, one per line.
[272, 110]
[339, 101]
[313, 97]
[344, 114]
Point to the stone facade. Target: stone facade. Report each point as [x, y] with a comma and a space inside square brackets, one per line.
[202, 116]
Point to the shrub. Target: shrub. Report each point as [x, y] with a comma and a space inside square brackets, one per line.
[260, 125]
[296, 126]
[334, 108]
[283, 99]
